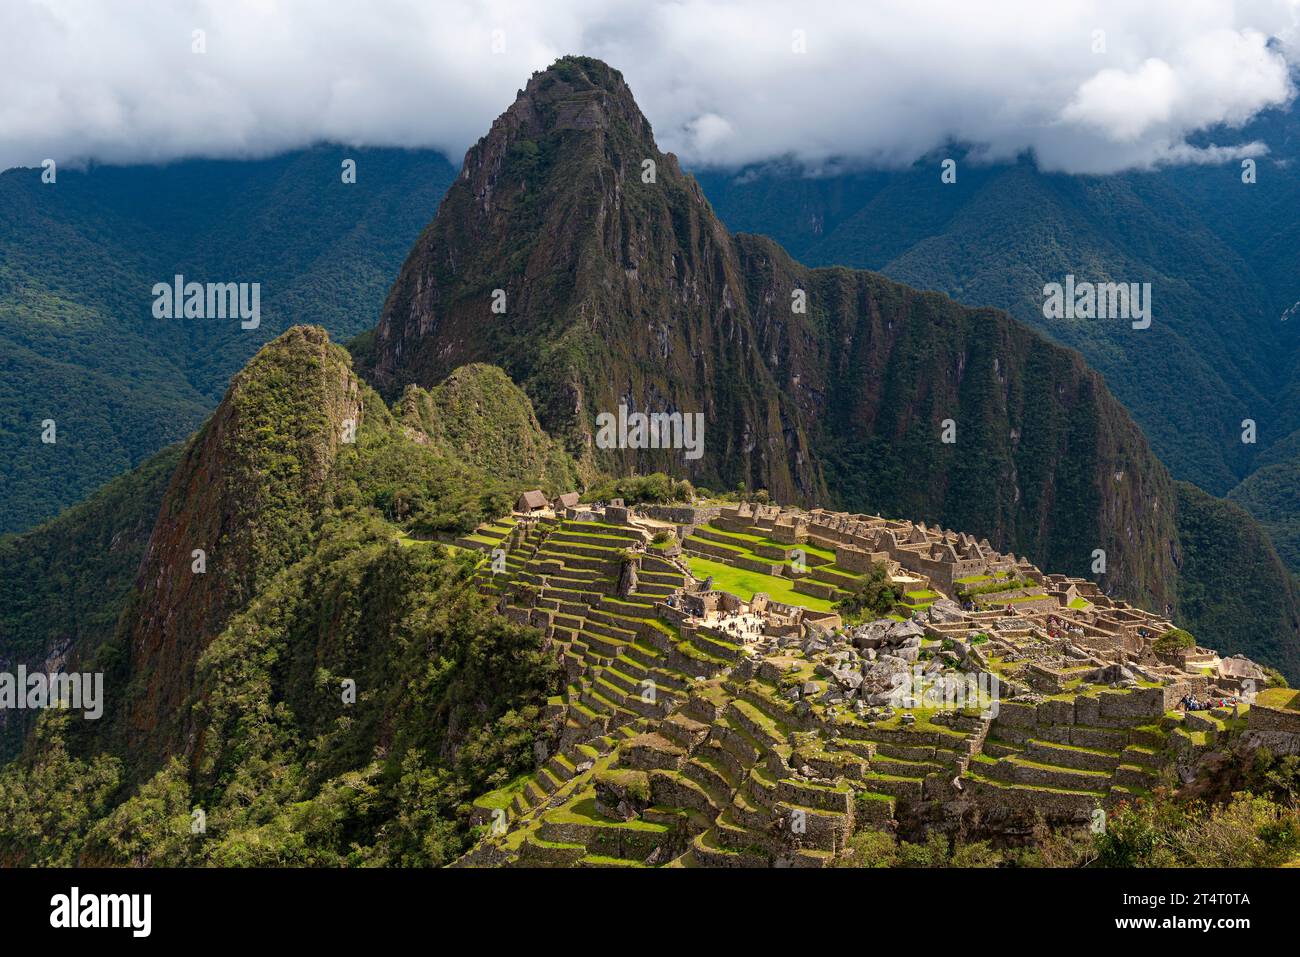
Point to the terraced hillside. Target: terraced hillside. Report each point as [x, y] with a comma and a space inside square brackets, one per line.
[679, 749]
[623, 662]
[737, 778]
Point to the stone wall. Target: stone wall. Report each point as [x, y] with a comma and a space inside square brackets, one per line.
[1264, 718]
[853, 559]
[682, 514]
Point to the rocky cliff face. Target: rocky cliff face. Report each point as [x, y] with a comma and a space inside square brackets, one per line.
[614, 289]
[825, 386]
[244, 494]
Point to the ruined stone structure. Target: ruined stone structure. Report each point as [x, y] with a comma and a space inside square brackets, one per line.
[717, 727]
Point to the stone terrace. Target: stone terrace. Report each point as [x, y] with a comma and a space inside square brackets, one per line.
[728, 727]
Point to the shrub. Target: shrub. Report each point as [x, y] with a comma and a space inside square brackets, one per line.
[654, 489]
[1174, 640]
[871, 594]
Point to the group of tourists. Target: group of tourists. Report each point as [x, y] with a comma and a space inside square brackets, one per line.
[1192, 703]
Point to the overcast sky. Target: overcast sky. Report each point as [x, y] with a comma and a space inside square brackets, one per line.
[881, 82]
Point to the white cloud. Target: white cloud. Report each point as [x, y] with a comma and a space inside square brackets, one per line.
[881, 81]
[708, 136]
[1123, 105]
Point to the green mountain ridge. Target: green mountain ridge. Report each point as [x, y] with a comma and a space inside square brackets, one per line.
[78, 261]
[315, 505]
[1219, 254]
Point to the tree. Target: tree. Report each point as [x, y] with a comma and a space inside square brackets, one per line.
[871, 594]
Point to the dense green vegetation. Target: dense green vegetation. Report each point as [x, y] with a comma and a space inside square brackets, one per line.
[66, 582]
[481, 418]
[248, 675]
[1176, 639]
[1234, 593]
[654, 489]
[447, 706]
[64, 585]
[1220, 257]
[1272, 494]
[79, 258]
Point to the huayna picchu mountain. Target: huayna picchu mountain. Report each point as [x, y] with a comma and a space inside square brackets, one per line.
[618, 290]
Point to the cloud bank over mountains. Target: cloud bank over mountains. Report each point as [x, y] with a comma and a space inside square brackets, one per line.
[1086, 86]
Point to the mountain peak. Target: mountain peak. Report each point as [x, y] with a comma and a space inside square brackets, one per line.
[558, 200]
[579, 93]
[238, 508]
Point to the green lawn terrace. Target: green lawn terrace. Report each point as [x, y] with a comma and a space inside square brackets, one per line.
[746, 564]
[484, 538]
[1283, 699]
[489, 535]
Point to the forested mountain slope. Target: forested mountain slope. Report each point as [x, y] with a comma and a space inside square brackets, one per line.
[78, 261]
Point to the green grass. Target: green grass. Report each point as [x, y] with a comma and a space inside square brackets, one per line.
[582, 810]
[996, 598]
[743, 584]
[1287, 699]
[502, 797]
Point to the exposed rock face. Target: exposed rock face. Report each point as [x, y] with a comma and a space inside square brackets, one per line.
[615, 289]
[618, 290]
[243, 493]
